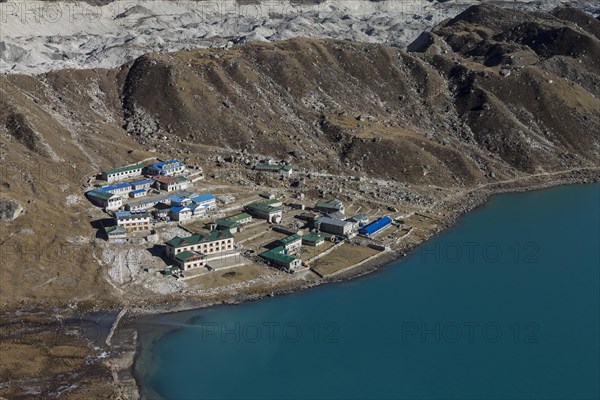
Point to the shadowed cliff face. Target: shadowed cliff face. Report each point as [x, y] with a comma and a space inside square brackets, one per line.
[489, 95]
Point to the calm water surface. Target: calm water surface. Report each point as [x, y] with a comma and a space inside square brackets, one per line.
[505, 305]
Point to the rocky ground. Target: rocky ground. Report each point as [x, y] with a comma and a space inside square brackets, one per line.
[491, 100]
[40, 36]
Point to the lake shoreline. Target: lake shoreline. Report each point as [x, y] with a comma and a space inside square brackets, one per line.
[136, 334]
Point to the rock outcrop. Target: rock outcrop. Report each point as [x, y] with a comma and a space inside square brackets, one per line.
[10, 210]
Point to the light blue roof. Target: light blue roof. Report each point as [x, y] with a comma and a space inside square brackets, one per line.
[203, 197]
[139, 191]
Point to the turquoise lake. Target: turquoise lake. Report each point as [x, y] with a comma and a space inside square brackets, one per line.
[504, 305]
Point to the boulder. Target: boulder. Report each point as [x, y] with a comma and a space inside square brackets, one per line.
[9, 210]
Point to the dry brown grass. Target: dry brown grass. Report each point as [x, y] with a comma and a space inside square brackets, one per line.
[342, 257]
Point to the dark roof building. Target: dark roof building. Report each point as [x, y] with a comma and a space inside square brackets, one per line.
[334, 226]
[330, 206]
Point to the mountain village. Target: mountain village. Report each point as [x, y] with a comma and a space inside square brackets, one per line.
[217, 231]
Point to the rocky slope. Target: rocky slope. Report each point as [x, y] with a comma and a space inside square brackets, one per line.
[489, 95]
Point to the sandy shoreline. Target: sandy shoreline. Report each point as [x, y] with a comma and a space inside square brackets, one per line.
[142, 322]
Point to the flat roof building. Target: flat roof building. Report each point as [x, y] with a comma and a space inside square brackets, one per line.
[187, 260]
[334, 226]
[118, 174]
[233, 223]
[330, 206]
[166, 168]
[206, 243]
[116, 234]
[206, 200]
[138, 193]
[265, 210]
[142, 184]
[118, 188]
[181, 213]
[291, 243]
[283, 170]
[359, 219]
[313, 239]
[171, 183]
[376, 226]
[278, 258]
[106, 200]
[134, 221]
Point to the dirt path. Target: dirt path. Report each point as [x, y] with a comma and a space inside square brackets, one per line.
[507, 181]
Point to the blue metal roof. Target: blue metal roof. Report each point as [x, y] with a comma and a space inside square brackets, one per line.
[203, 197]
[376, 226]
[139, 191]
[142, 182]
[159, 166]
[130, 214]
[178, 210]
[115, 187]
[177, 199]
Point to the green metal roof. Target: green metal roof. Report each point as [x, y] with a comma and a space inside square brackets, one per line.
[199, 238]
[227, 223]
[264, 206]
[123, 169]
[329, 204]
[277, 254]
[290, 239]
[115, 230]
[312, 237]
[101, 195]
[186, 255]
[235, 218]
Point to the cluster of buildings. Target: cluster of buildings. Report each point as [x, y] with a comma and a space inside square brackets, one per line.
[281, 253]
[166, 176]
[164, 168]
[126, 196]
[329, 217]
[181, 207]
